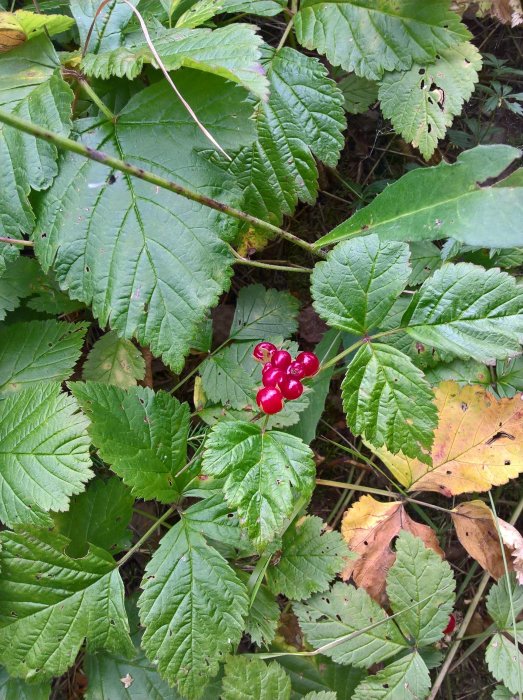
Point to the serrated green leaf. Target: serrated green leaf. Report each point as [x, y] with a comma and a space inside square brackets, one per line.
[446, 201]
[503, 693]
[233, 52]
[8, 253]
[166, 256]
[264, 313]
[425, 257]
[423, 101]
[141, 434]
[262, 8]
[356, 287]
[499, 600]
[262, 621]
[192, 608]
[38, 351]
[509, 377]
[407, 676]
[505, 662]
[213, 519]
[359, 93]
[319, 673]
[44, 453]
[310, 559]
[33, 24]
[47, 297]
[31, 88]
[17, 689]
[344, 611]
[16, 283]
[459, 371]
[370, 37]
[265, 471]
[471, 312]
[49, 603]
[99, 516]
[114, 360]
[420, 575]
[108, 27]
[302, 120]
[388, 401]
[252, 679]
[226, 380]
[322, 695]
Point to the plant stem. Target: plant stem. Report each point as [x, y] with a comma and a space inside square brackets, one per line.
[355, 345]
[68, 144]
[267, 266]
[17, 241]
[146, 536]
[357, 487]
[95, 99]
[468, 617]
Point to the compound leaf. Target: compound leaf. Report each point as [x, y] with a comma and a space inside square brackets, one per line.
[44, 453]
[141, 434]
[50, 602]
[264, 472]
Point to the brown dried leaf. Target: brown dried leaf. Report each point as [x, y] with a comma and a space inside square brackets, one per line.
[369, 527]
[11, 32]
[476, 530]
[477, 444]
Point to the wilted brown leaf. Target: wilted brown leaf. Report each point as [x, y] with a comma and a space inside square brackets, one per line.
[477, 444]
[369, 527]
[476, 529]
[11, 32]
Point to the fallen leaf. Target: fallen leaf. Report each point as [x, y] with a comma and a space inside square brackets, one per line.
[476, 530]
[369, 527]
[478, 444]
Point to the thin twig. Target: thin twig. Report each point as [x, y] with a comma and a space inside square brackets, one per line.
[17, 241]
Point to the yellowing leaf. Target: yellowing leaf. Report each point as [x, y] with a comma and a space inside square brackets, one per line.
[369, 527]
[477, 444]
[11, 32]
[17, 27]
[476, 530]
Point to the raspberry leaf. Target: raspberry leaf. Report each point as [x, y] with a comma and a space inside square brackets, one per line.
[114, 360]
[408, 672]
[253, 679]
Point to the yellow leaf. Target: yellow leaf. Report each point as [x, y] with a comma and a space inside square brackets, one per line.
[477, 444]
[369, 527]
[11, 32]
[476, 529]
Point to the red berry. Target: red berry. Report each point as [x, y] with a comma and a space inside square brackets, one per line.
[272, 376]
[449, 629]
[291, 388]
[310, 363]
[264, 351]
[296, 370]
[269, 400]
[281, 359]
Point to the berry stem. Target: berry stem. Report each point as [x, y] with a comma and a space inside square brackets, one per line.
[354, 346]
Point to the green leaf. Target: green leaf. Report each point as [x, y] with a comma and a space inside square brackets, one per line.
[141, 434]
[114, 360]
[38, 351]
[226, 380]
[459, 371]
[322, 695]
[423, 101]
[407, 675]
[356, 287]
[17, 689]
[499, 600]
[31, 88]
[388, 401]
[359, 93]
[344, 611]
[233, 52]
[47, 297]
[505, 662]
[310, 559]
[8, 254]
[16, 282]
[49, 603]
[263, 617]
[265, 472]
[264, 313]
[108, 27]
[420, 575]
[370, 37]
[165, 255]
[471, 312]
[502, 693]
[446, 201]
[33, 24]
[509, 377]
[99, 516]
[252, 679]
[192, 608]
[318, 674]
[213, 519]
[425, 257]
[302, 120]
[44, 453]
[262, 8]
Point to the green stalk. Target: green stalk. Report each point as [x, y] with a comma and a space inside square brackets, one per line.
[68, 144]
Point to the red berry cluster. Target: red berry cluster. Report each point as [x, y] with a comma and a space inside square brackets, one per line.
[281, 375]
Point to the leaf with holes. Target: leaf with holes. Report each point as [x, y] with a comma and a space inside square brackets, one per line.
[141, 434]
[265, 472]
